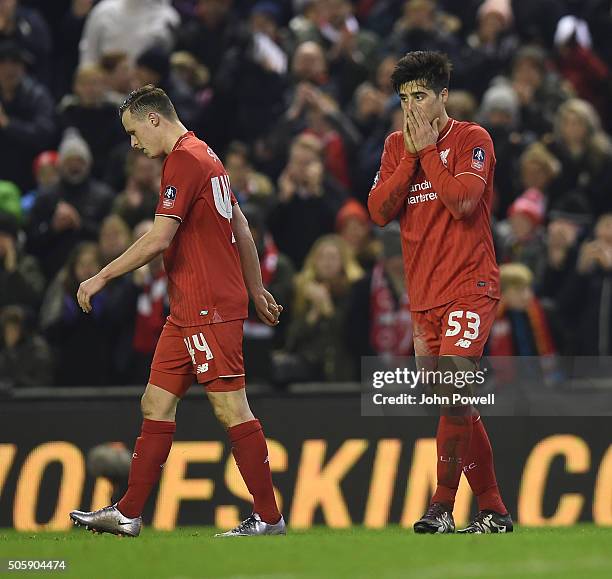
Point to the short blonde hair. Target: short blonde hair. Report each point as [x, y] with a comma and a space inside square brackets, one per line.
[515, 275]
[538, 153]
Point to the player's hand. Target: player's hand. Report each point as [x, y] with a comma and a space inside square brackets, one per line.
[408, 144]
[267, 309]
[422, 132]
[89, 288]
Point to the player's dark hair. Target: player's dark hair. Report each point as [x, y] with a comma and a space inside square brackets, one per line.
[432, 69]
[148, 99]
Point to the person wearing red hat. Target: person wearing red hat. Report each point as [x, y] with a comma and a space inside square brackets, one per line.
[46, 174]
[520, 237]
[353, 225]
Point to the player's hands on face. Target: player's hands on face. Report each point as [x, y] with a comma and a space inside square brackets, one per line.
[267, 309]
[408, 144]
[422, 132]
[89, 288]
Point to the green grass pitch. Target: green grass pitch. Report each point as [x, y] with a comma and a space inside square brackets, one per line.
[191, 552]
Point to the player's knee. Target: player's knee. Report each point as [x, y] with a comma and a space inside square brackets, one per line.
[156, 407]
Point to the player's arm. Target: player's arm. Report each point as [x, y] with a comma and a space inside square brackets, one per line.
[142, 251]
[265, 304]
[392, 185]
[461, 192]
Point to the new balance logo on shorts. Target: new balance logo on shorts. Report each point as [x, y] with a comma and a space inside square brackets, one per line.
[463, 343]
[202, 368]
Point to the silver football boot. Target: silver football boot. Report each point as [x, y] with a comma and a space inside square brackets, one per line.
[253, 525]
[107, 520]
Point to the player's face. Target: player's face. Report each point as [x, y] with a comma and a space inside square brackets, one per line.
[415, 94]
[145, 134]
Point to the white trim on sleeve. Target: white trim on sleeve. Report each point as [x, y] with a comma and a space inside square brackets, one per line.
[168, 215]
[470, 173]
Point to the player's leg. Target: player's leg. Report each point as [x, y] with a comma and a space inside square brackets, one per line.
[427, 337]
[467, 324]
[250, 451]
[220, 368]
[171, 376]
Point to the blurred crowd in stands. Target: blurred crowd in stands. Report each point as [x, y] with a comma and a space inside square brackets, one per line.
[295, 97]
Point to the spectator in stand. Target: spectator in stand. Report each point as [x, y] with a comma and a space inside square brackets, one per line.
[351, 50]
[522, 326]
[21, 281]
[46, 174]
[491, 45]
[315, 348]
[569, 221]
[424, 27]
[90, 110]
[146, 308]
[26, 27]
[309, 65]
[25, 356]
[588, 74]
[585, 153]
[67, 40]
[80, 342]
[115, 237]
[353, 225]
[259, 60]
[520, 238]
[499, 113]
[538, 170]
[153, 67]
[72, 211]
[307, 200]
[26, 117]
[248, 185]
[277, 274]
[119, 72]
[210, 34]
[378, 322]
[130, 26]
[138, 200]
[540, 92]
[585, 300]
[461, 106]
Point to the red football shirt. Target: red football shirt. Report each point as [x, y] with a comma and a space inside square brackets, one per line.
[446, 231]
[205, 283]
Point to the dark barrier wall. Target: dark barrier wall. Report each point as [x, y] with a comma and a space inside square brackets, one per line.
[331, 466]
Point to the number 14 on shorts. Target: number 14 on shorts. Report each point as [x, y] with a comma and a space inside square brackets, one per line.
[466, 321]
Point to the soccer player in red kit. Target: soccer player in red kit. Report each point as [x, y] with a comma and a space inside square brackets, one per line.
[437, 176]
[208, 254]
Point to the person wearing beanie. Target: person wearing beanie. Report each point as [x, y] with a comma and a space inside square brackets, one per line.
[378, 320]
[353, 225]
[520, 238]
[73, 208]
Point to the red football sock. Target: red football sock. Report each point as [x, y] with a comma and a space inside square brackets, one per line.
[251, 453]
[150, 453]
[480, 471]
[452, 443]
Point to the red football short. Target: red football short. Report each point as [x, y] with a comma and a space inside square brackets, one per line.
[459, 328]
[212, 354]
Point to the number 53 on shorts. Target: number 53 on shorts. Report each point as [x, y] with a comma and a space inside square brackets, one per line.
[466, 326]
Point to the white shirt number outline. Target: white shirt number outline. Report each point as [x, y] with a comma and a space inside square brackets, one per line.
[473, 323]
[222, 194]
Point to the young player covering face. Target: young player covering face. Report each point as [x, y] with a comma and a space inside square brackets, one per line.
[436, 176]
[208, 255]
